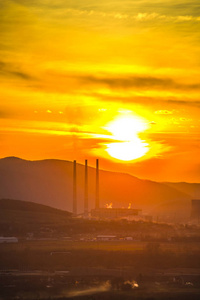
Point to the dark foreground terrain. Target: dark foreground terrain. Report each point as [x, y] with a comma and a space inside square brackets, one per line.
[99, 270]
[56, 256]
[58, 285]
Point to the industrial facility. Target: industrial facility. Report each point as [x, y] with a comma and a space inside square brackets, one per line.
[114, 213]
[106, 212]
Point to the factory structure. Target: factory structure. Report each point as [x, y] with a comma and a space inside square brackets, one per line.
[98, 212]
[114, 213]
[110, 212]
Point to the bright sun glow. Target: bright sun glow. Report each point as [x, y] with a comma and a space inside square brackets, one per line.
[130, 146]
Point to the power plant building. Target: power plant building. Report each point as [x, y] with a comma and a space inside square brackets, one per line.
[114, 213]
[98, 212]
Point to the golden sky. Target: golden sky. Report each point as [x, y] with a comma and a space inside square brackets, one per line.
[70, 69]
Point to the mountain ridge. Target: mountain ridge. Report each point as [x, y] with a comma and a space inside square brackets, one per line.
[50, 182]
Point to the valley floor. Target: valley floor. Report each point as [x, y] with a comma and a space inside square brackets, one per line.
[99, 270]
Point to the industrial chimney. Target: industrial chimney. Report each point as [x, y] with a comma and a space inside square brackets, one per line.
[74, 189]
[97, 185]
[86, 190]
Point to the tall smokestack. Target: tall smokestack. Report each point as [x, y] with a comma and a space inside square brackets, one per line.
[74, 189]
[86, 190]
[97, 184]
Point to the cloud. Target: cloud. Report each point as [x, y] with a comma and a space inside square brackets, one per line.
[145, 82]
[9, 70]
[163, 112]
[139, 11]
[4, 114]
[79, 114]
[195, 103]
[148, 101]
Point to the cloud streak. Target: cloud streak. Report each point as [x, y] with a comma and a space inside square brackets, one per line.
[141, 82]
[10, 71]
[163, 112]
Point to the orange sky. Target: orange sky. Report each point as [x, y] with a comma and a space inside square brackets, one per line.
[68, 69]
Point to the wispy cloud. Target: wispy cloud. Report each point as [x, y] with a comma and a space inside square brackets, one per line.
[141, 82]
[141, 16]
[9, 70]
[163, 112]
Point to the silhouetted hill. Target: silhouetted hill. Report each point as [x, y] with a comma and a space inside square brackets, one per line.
[50, 182]
[27, 219]
[10, 204]
[20, 217]
[191, 189]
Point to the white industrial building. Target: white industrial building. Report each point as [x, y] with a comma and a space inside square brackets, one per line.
[11, 239]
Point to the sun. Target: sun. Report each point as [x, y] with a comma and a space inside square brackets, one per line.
[128, 146]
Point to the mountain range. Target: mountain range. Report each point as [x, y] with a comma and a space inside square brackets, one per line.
[50, 182]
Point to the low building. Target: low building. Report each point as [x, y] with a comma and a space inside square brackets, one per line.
[8, 239]
[114, 213]
[106, 237]
[128, 238]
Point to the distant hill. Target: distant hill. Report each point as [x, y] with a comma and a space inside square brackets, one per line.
[19, 217]
[50, 182]
[191, 189]
[32, 220]
[18, 205]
